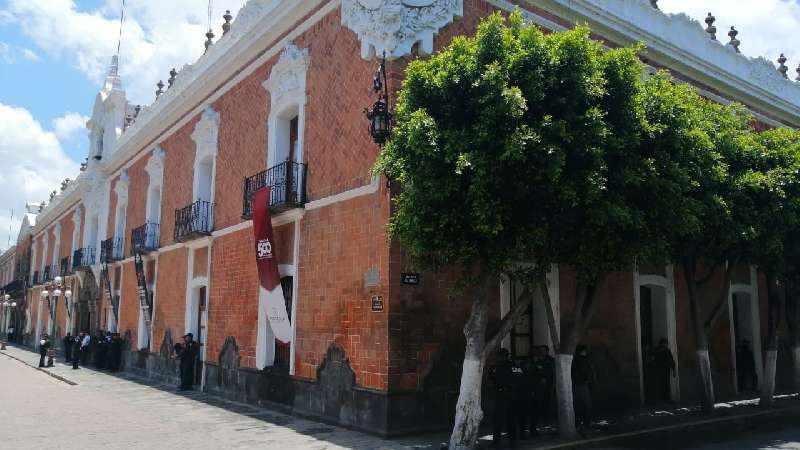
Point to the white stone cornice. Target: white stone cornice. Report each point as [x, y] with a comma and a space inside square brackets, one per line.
[680, 43]
[394, 26]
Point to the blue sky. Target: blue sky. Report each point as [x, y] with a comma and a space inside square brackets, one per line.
[54, 54]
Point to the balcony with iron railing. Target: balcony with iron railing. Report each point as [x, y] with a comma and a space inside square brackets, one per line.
[145, 239]
[288, 182]
[111, 250]
[35, 279]
[83, 258]
[47, 274]
[66, 268]
[193, 221]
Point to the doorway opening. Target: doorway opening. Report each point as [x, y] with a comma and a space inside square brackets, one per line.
[201, 324]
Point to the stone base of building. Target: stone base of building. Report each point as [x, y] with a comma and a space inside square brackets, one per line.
[332, 398]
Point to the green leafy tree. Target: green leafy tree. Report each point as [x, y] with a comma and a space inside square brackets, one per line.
[518, 147]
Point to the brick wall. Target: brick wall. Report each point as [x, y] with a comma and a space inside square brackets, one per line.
[179, 151]
[129, 304]
[170, 295]
[233, 297]
[137, 199]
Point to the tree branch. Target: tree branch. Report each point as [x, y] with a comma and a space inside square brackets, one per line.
[509, 321]
[722, 303]
[551, 317]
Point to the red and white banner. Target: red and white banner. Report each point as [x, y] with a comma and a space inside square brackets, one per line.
[270, 291]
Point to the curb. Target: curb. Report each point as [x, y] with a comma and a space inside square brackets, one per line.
[698, 426]
[56, 376]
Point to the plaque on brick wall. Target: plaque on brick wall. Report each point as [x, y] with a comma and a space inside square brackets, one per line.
[372, 277]
[409, 278]
[377, 303]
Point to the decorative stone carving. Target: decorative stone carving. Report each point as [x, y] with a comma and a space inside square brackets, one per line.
[155, 166]
[229, 360]
[205, 134]
[121, 188]
[710, 28]
[335, 380]
[288, 77]
[394, 26]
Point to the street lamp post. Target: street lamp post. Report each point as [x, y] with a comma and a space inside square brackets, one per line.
[6, 305]
[52, 303]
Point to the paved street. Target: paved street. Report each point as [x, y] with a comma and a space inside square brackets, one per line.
[105, 412]
[784, 439]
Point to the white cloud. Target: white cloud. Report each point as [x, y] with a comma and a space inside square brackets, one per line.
[6, 17]
[156, 36]
[766, 27]
[5, 53]
[34, 164]
[68, 125]
[30, 55]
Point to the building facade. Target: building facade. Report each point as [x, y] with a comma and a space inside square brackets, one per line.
[154, 238]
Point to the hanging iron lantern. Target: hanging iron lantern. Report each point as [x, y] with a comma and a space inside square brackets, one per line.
[380, 119]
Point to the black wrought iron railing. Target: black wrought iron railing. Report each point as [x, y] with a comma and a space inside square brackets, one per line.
[288, 182]
[111, 250]
[47, 273]
[145, 238]
[65, 266]
[194, 220]
[83, 257]
[14, 286]
[36, 279]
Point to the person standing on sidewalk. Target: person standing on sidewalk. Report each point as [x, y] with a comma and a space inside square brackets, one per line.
[188, 355]
[583, 378]
[76, 349]
[68, 339]
[10, 334]
[44, 346]
[664, 367]
[85, 342]
[501, 375]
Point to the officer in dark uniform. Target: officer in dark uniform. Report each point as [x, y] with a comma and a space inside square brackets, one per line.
[501, 375]
[541, 376]
[100, 348]
[76, 349]
[68, 347]
[115, 353]
[664, 369]
[188, 355]
[583, 377]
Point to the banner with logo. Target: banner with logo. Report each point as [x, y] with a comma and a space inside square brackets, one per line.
[270, 291]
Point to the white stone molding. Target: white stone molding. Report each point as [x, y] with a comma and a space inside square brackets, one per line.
[155, 166]
[205, 134]
[394, 26]
[287, 80]
[121, 188]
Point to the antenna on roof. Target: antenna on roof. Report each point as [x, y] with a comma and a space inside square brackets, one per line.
[10, 222]
[209, 34]
[121, 20]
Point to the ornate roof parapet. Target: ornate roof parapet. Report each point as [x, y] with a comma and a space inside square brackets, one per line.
[395, 26]
[682, 44]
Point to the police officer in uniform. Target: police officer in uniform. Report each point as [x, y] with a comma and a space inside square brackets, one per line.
[501, 375]
[188, 355]
[68, 347]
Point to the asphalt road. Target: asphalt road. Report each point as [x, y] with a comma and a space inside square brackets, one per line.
[788, 438]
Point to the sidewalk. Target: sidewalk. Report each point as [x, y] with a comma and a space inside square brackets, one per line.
[676, 427]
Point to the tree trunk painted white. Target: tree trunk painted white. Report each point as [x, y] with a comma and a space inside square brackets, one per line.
[708, 383]
[468, 410]
[796, 360]
[566, 407]
[768, 383]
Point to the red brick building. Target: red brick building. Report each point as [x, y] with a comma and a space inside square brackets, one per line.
[154, 238]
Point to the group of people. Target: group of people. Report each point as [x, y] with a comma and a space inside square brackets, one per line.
[103, 350]
[524, 389]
